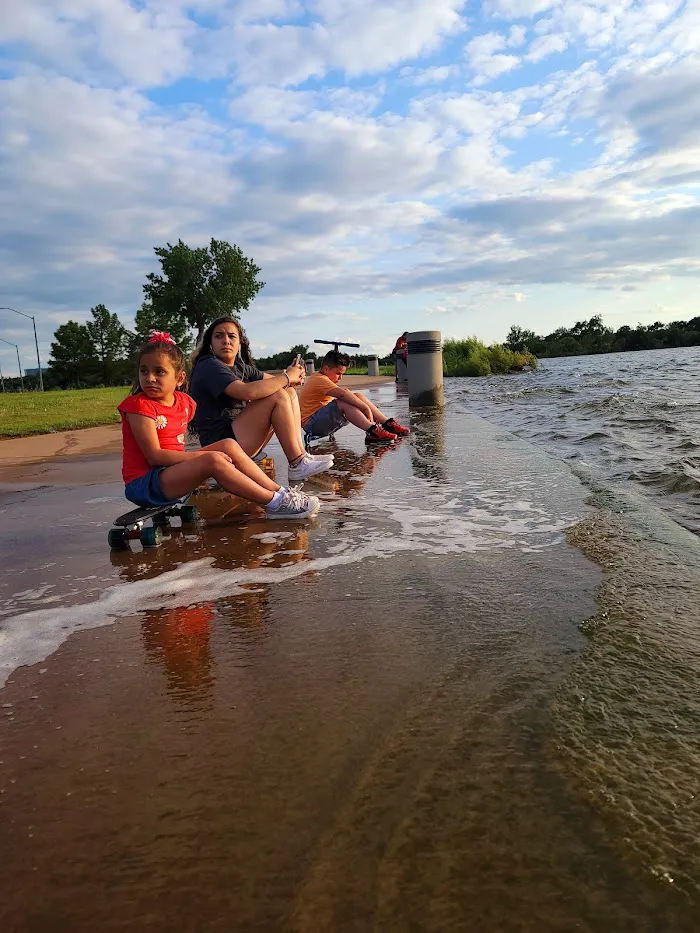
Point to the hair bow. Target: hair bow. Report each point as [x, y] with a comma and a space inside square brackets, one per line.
[160, 336]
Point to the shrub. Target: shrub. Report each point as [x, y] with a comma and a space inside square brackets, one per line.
[471, 357]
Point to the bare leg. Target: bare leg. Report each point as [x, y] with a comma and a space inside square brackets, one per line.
[378, 416]
[253, 425]
[242, 477]
[354, 415]
[242, 462]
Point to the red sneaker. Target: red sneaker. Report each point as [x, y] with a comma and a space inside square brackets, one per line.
[393, 426]
[377, 435]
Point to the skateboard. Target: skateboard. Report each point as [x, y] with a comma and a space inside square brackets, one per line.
[130, 526]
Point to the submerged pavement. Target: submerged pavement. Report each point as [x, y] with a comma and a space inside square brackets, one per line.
[324, 726]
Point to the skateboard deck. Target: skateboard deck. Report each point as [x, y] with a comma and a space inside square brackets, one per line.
[131, 525]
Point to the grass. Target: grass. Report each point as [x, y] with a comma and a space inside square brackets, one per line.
[471, 357]
[386, 370]
[23, 413]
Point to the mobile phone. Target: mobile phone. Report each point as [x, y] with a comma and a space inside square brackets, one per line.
[298, 359]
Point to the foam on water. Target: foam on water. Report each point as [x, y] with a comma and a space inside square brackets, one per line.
[449, 520]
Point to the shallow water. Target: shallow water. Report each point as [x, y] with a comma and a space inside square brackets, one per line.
[633, 418]
[368, 722]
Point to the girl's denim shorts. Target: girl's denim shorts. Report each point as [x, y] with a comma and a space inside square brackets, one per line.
[145, 491]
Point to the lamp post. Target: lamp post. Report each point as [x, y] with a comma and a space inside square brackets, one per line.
[36, 342]
[19, 365]
[2, 381]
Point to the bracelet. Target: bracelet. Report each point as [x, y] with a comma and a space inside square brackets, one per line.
[289, 381]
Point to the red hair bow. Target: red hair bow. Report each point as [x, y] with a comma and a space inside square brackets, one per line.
[160, 336]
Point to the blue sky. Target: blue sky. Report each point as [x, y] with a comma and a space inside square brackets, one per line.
[393, 165]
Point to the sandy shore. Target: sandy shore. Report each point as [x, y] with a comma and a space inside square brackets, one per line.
[86, 455]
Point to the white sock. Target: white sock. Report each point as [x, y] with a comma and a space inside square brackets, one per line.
[276, 500]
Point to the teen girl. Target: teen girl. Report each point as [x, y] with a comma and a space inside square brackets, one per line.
[237, 400]
[156, 468]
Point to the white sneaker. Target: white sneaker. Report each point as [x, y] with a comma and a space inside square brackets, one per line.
[328, 458]
[306, 468]
[295, 504]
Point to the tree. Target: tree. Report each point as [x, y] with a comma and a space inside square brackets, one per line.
[110, 341]
[199, 285]
[149, 319]
[73, 358]
[520, 339]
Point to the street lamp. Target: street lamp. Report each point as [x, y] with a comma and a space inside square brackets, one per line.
[19, 365]
[36, 342]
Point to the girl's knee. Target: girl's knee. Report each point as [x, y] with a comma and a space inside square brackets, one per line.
[230, 447]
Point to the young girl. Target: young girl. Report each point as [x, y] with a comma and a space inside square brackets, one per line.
[156, 468]
[235, 399]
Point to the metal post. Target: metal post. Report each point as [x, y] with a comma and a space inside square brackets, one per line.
[373, 365]
[36, 342]
[19, 365]
[425, 386]
[310, 368]
[38, 361]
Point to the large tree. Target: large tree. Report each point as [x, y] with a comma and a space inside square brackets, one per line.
[149, 319]
[110, 339]
[73, 360]
[199, 285]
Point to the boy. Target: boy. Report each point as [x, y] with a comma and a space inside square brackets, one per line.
[325, 406]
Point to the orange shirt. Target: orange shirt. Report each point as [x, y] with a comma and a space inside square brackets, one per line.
[171, 424]
[314, 395]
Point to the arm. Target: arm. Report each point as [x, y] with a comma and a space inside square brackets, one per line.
[250, 391]
[268, 385]
[146, 435]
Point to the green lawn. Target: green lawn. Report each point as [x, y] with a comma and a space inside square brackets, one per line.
[387, 370]
[24, 413]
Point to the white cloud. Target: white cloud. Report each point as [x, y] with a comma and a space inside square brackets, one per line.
[144, 46]
[546, 45]
[387, 186]
[486, 59]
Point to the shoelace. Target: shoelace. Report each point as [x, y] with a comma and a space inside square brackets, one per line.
[296, 497]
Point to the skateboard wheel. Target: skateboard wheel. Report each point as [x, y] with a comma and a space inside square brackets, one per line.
[189, 513]
[151, 536]
[117, 539]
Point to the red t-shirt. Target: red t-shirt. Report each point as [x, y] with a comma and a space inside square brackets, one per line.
[171, 424]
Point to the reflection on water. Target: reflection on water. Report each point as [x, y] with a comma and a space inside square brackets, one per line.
[179, 638]
[428, 447]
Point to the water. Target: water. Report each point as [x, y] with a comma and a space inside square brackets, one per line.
[632, 418]
[409, 715]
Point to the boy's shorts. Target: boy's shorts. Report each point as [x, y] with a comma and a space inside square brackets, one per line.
[145, 491]
[325, 421]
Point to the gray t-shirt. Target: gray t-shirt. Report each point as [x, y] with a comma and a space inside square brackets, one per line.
[216, 410]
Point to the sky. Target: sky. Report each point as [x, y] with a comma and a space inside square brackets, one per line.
[390, 164]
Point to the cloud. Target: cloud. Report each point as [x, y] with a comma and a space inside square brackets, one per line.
[486, 59]
[354, 36]
[352, 148]
[546, 45]
[112, 39]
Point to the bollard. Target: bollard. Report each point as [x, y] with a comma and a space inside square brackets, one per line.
[425, 369]
[310, 368]
[401, 371]
[373, 365]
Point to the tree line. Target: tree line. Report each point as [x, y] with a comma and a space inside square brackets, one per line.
[193, 287]
[593, 336]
